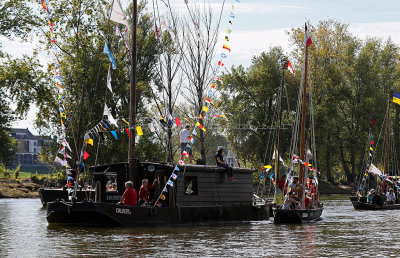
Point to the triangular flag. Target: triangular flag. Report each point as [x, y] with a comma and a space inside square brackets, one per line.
[127, 131]
[226, 47]
[209, 101]
[307, 38]
[139, 130]
[115, 134]
[205, 109]
[85, 155]
[151, 127]
[178, 123]
[117, 14]
[290, 67]
[65, 143]
[374, 170]
[109, 116]
[110, 55]
[61, 162]
[194, 132]
[109, 78]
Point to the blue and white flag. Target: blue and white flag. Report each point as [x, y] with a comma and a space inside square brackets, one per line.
[170, 183]
[176, 168]
[110, 56]
[174, 176]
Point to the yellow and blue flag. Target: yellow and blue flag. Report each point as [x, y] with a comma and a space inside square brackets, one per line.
[396, 98]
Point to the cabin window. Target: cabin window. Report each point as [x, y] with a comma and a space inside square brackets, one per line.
[190, 186]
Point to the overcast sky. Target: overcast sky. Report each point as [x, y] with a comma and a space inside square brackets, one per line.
[261, 24]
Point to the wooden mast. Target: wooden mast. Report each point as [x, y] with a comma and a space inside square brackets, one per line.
[385, 171]
[132, 109]
[277, 153]
[303, 124]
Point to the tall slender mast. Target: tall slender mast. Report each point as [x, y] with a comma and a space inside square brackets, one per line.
[277, 157]
[385, 171]
[303, 124]
[132, 110]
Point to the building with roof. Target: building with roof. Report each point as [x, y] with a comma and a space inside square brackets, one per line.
[29, 147]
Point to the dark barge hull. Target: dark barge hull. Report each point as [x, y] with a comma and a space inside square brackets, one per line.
[296, 216]
[102, 214]
[360, 205]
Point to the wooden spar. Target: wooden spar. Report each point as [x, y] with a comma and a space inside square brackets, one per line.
[277, 156]
[303, 128]
[132, 109]
[385, 170]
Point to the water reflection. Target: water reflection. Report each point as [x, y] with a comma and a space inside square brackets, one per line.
[24, 232]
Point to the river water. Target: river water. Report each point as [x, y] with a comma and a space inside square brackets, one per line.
[24, 232]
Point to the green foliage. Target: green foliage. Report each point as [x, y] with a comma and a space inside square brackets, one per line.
[4, 171]
[17, 171]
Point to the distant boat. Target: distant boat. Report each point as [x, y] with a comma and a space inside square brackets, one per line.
[301, 213]
[389, 175]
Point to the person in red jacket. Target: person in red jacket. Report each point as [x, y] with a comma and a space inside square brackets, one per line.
[144, 191]
[130, 196]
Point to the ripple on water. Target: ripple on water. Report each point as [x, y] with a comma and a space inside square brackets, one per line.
[342, 232]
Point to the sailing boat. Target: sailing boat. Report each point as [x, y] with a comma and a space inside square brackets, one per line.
[378, 198]
[283, 213]
[200, 194]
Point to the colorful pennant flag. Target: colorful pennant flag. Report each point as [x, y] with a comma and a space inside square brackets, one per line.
[66, 144]
[373, 120]
[307, 38]
[114, 133]
[117, 14]
[194, 132]
[151, 127]
[178, 123]
[170, 183]
[85, 155]
[205, 109]
[290, 67]
[174, 176]
[396, 98]
[162, 197]
[139, 130]
[109, 77]
[226, 47]
[127, 131]
[110, 55]
[63, 163]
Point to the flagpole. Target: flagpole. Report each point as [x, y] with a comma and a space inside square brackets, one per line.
[132, 111]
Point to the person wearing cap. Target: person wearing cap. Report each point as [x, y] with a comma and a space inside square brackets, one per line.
[219, 158]
[370, 195]
[184, 136]
[390, 197]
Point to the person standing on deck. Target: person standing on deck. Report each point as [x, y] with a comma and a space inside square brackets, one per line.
[219, 158]
[144, 192]
[184, 136]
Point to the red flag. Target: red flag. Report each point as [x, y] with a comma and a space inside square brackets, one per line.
[213, 85]
[209, 101]
[290, 67]
[307, 38]
[127, 131]
[220, 63]
[226, 47]
[373, 120]
[178, 123]
[85, 155]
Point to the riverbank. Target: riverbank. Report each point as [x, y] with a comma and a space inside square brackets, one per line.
[18, 188]
[329, 188]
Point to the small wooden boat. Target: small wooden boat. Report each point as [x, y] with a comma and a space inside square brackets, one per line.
[296, 216]
[360, 203]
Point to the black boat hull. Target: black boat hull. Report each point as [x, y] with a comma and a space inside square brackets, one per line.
[52, 194]
[101, 213]
[361, 204]
[296, 216]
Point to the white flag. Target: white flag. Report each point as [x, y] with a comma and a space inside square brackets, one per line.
[165, 27]
[109, 116]
[65, 143]
[109, 78]
[117, 14]
[374, 170]
[61, 162]
[117, 31]
[151, 127]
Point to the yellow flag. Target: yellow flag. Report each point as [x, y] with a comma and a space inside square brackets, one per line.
[63, 115]
[89, 141]
[371, 149]
[62, 122]
[123, 119]
[223, 116]
[268, 166]
[205, 109]
[139, 130]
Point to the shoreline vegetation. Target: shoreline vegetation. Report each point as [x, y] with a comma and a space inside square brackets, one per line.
[27, 185]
